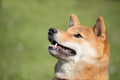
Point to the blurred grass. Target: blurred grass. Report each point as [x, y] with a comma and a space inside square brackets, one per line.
[23, 34]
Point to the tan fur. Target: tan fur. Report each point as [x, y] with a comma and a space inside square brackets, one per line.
[98, 39]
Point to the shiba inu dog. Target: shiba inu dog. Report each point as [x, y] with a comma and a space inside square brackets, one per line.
[82, 52]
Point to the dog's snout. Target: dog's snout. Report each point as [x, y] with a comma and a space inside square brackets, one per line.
[52, 31]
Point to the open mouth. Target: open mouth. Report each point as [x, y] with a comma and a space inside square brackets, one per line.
[61, 49]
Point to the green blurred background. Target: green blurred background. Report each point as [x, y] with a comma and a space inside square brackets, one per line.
[23, 34]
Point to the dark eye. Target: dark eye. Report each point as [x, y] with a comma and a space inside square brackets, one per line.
[78, 35]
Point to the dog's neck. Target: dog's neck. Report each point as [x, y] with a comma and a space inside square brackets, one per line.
[91, 72]
[64, 70]
[80, 71]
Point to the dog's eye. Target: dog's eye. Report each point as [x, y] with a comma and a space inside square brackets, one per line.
[78, 35]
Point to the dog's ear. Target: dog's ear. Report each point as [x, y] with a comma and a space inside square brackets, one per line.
[100, 28]
[73, 20]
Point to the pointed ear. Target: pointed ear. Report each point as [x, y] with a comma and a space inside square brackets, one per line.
[100, 28]
[73, 20]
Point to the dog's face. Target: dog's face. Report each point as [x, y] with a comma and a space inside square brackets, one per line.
[78, 43]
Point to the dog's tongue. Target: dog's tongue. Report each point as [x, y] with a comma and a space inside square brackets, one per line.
[62, 49]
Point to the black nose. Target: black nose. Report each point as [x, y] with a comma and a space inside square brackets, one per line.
[52, 31]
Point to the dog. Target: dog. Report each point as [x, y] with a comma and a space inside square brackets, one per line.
[82, 52]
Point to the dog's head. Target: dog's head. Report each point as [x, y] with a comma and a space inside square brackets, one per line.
[79, 43]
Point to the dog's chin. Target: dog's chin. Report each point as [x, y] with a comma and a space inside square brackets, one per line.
[59, 51]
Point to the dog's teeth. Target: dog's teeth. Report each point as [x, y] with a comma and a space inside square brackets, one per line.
[66, 50]
[55, 45]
